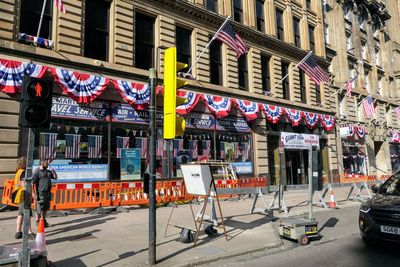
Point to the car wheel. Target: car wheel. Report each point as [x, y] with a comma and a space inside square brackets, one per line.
[303, 240]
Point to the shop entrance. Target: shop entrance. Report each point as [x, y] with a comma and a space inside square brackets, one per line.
[296, 166]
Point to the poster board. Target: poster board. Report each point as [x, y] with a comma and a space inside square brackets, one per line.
[197, 178]
[130, 164]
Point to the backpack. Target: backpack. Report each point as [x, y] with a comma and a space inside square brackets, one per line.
[17, 195]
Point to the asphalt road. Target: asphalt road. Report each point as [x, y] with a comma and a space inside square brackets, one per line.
[340, 245]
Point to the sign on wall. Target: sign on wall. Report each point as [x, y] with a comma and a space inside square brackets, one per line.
[130, 164]
[298, 141]
[65, 107]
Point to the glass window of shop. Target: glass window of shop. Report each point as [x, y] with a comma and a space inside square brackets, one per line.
[354, 159]
[96, 29]
[30, 17]
[394, 150]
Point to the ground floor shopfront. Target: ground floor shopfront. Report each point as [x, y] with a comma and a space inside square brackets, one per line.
[102, 134]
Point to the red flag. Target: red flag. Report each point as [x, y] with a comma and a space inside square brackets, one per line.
[60, 6]
[228, 36]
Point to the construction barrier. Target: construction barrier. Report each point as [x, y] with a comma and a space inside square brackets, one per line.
[68, 196]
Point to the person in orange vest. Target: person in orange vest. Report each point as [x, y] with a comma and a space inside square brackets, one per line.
[19, 192]
[41, 181]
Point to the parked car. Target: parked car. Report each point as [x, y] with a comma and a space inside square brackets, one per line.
[379, 218]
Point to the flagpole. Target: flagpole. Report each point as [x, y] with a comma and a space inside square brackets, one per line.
[329, 97]
[305, 58]
[209, 43]
[41, 18]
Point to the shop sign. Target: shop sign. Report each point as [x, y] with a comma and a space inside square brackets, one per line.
[298, 141]
[130, 164]
[125, 113]
[65, 107]
[199, 121]
[76, 172]
[346, 132]
[243, 167]
[232, 123]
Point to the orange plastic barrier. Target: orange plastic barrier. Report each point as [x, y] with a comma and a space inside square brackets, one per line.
[7, 191]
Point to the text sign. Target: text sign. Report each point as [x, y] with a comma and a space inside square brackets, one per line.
[65, 107]
[298, 141]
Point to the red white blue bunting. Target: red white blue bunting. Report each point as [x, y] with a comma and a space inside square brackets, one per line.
[12, 72]
[248, 109]
[273, 113]
[360, 131]
[327, 122]
[136, 94]
[311, 119]
[220, 106]
[294, 116]
[395, 137]
[192, 99]
[81, 87]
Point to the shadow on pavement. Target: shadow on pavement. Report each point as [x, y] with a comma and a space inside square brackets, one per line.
[78, 237]
[77, 226]
[331, 222]
[73, 261]
[8, 218]
[122, 256]
[238, 227]
[88, 218]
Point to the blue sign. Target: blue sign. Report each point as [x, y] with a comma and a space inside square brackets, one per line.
[243, 167]
[65, 107]
[130, 164]
[231, 123]
[125, 113]
[199, 121]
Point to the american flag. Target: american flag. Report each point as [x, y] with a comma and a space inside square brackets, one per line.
[60, 6]
[160, 148]
[48, 142]
[349, 86]
[315, 72]
[368, 105]
[193, 149]
[72, 146]
[94, 146]
[141, 142]
[236, 150]
[228, 36]
[122, 142]
[222, 150]
[245, 151]
[397, 111]
[178, 146]
[206, 145]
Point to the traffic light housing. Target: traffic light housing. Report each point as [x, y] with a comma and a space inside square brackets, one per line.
[173, 124]
[36, 101]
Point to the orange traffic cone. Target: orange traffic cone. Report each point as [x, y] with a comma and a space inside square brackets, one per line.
[332, 201]
[40, 237]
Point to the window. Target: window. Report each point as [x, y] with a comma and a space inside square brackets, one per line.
[347, 13]
[144, 41]
[237, 11]
[96, 29]
[215, 63]
[30, 17]
[326, 33]
[377, 57]
[349, 43]
[317, 94]
[361, 21]
[242, 63]
[183, 47]
[303, 94]
[260, 15]
[366, 80]
[265, 74]
[308, 4]
[380, 86]
[312, 40]
[211, 5]
[364, 50]
[285, 83]
[296, 30]
[279, 24]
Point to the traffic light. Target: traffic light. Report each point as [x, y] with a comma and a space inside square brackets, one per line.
[36, 101]
[173, 124]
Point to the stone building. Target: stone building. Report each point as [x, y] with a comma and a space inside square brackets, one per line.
[367, 45]
[131, 37]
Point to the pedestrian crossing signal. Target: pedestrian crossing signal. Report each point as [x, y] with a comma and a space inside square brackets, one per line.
[36, 102]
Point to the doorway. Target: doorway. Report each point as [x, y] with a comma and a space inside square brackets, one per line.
[296, 166]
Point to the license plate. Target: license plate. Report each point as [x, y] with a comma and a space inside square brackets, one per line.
[390, 230]
[286, 232]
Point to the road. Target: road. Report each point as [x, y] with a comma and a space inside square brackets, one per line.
[340, 245]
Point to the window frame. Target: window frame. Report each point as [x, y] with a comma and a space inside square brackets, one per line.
[303, 87]
[285, 82]
[265, 73]
[183, 54]
[145, 44]
[47, 16]
[217, 62]
[213, 3]
[311, 36]
[297, 37]
[280, 27]
[260, 21]
[244, 72]
[237, 11]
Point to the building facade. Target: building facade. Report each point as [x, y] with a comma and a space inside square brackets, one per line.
[367, 46]
[78, 49]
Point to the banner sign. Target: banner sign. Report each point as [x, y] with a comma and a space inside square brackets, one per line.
[76, 172]
[130, 164]
[125, 113]
[66, 107]
[243, 167]
[298, 141]
[231, 123]
[199, 121]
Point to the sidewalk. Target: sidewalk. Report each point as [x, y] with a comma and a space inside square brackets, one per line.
[121, 239]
